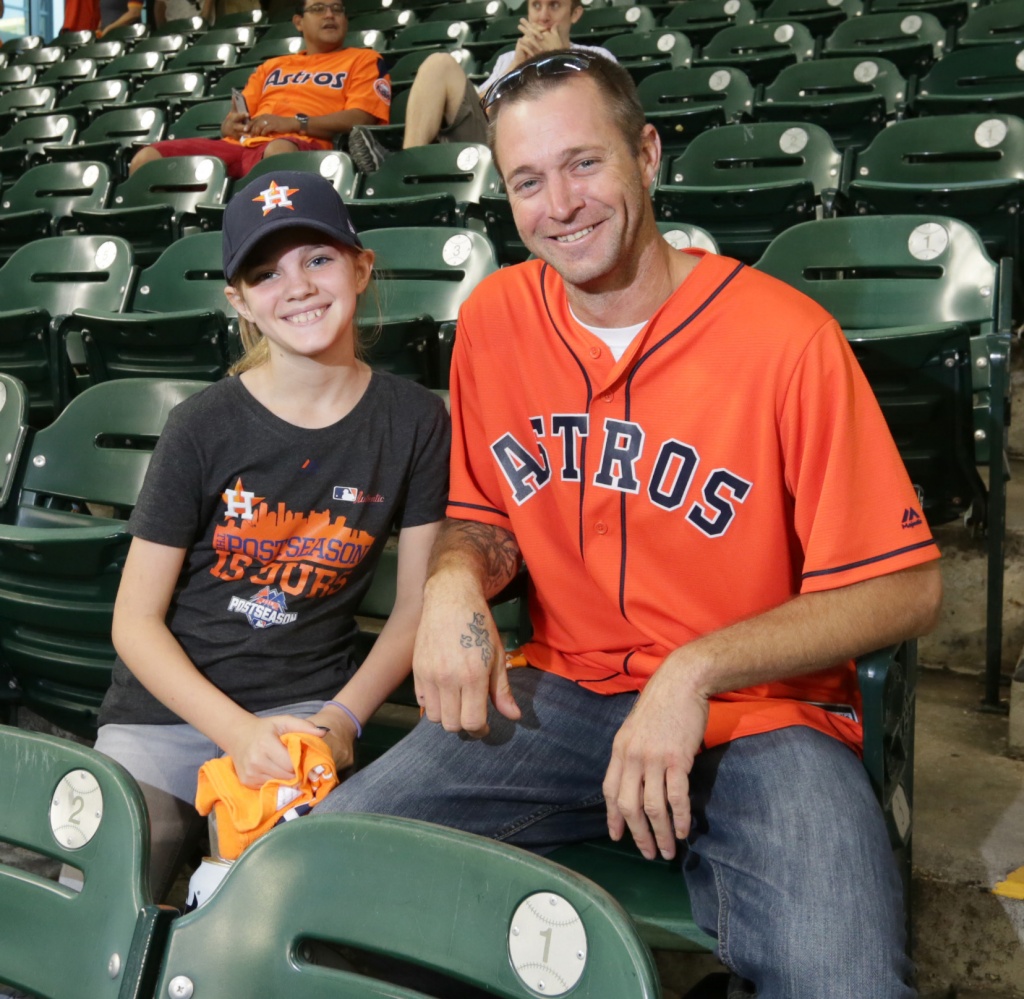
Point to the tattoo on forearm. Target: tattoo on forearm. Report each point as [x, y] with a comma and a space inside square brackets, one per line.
[479, 637]
[495, 547]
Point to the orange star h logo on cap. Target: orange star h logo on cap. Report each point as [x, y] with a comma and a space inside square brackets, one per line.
[276, 197]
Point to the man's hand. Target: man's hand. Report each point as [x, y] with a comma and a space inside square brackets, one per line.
[257, 751]
[458, 662]
[233, 125]
[535, 41]
[647, 784]
[271, 124]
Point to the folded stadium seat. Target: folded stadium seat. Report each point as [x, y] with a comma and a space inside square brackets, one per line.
[166, 44]
[86, 100]
[71, 804]
[425, 185]
[130, 34]
[152, 208]
[444, 901]
[31, 139]
[69, 73]
[993, 23]
[38, 204]
[760, 50]
[17, 76]
[178, 325]
[984, 78]
[701, 20]
[40, 57]
[476, 13]
[210, 60]
[134, 64]
[435, 36]
[403, 70]
[60, 565]
[852, 98]
[970, 166]
[269, 48]
[682, 103]
[642, 53]
[747, 183]
[101, 52]
[335, 166]
[951, 13]
[114, 137]
[927, 313]
[69, 39]
[820, 17]
[422, 276]
[200, 121]
[44, 281]
[16, 104]
[911, 41]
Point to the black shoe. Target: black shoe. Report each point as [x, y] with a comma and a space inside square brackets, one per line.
[366, 152]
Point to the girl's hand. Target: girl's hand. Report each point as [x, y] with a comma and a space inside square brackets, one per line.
[259, 754]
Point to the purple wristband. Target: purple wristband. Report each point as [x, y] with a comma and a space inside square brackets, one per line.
[350, 713]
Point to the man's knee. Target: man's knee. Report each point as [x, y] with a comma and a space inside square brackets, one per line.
[278, 146]
[147, 154]
[440, 68]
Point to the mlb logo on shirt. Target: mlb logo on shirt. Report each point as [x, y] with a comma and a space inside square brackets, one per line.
[347, 494]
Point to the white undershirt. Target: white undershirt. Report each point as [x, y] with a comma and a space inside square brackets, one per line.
[616, 338]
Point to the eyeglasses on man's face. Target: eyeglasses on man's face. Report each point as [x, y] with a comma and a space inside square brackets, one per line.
[319, 9]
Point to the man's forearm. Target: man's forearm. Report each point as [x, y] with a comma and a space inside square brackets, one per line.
[489, 553]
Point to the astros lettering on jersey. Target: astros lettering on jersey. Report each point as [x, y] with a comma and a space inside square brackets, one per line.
[734, 457]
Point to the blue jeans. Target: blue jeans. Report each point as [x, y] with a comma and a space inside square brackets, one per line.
[788, 863]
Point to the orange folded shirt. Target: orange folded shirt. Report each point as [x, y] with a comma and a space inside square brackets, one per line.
[244, 813]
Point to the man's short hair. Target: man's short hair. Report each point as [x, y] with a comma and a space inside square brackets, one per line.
[615, 84]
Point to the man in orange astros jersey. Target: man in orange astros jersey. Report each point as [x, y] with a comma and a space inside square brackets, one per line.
[296, 102]
[688, 458]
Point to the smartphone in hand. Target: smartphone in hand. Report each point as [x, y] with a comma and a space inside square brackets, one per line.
[238, 104]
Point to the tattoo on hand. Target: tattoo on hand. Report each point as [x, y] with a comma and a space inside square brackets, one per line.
[479, 637]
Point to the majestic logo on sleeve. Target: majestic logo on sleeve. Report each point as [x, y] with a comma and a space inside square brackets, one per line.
[669, 486]
[287, 554]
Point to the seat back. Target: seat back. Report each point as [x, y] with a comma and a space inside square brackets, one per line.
[66, 74]
[978, 78]
[170, 87]
[337, 167]
[97, 95]
[133, 64]
[101, 52]
[270, 48]
[912, 41]
[189, 274]
[201, 121]
[603, 22]
[241, 36]
[17, 76]
[22, 99]
[42, 56]
[166, 43]
[700, 20]
[201, 56]
[644, 52]
[126, 126]
[57, 188]
[13, 432]
[130, 34]
[993, 23]
[444, 34]
[74, 805]
[40, 130]
[761, 50]
[820, 17]
[464, 170]
[482, 912]
[476, 13]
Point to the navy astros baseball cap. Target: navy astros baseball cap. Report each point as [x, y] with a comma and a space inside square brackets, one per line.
[280, 201]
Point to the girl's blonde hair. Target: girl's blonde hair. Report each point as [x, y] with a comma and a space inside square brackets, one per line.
[256, 351]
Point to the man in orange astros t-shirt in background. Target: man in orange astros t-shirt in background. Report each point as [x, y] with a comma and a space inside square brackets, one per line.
[716, 521]
[296, 102]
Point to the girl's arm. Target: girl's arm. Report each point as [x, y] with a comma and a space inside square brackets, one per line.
[390, 659]
[153, 654]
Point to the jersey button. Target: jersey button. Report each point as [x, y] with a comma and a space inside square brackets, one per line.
[608, 396]
[595, 351]
[601, 527]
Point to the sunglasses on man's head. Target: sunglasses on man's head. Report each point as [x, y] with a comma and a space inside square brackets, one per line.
[556, 64]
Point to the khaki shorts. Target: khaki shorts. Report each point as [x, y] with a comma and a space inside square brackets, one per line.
[470, 123]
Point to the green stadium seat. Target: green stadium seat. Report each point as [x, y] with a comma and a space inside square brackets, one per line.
[39, 203]
[44, 281]
[114, 136]
[747, 183]
[17, 76]
[642, 53]
[928, 314]
[60, 566]
[233, 79]
[178, 324]
[257, 18]
[369, 38]
[496, 36]
[40, 57]
[130, 34]
[970, 166]
[701, 20]
[102, 52]
[425, 185]
[404, 68]
[760, 50]
[240, 36]
[438, 36]
[14, 431]
[190, 27]
[987, 78]
[32, 138]
[16, 104]
[911, 41]
[283, 29]
[133, 64]
[683, 103]
[71, 39]
[86, 100]
[165, 44]
[388, 21]
[269, 48]
[852, 98]
[72, 804]
[12, 46]
[69, 73]
[476, 13]
[154, 205]
[443, 900]
[596, 25]
[820, 17]
[949, 12]
[200, 121]
[210, 60]
[994, 23]
[422, 276]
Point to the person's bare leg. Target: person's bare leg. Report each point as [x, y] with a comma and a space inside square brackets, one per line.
[277, 146]
[147, 154]
[434, 100]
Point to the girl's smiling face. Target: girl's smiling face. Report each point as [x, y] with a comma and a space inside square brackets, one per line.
[301, 290]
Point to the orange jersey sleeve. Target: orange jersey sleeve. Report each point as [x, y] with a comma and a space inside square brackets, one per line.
[319, 84]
